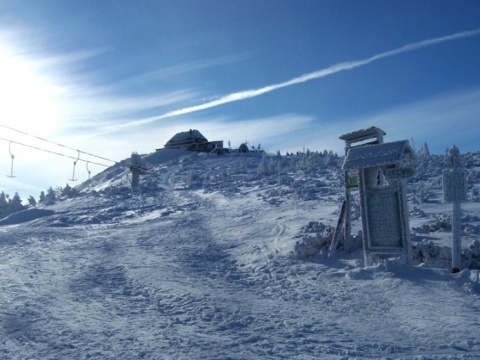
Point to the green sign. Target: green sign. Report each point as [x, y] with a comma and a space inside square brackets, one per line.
[351, 179]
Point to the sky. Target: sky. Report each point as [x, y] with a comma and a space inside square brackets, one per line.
[86, 83]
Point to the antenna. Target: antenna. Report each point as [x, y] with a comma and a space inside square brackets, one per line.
[75, 164]
[12, 157]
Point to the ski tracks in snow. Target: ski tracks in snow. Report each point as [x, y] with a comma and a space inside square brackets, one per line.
[183, 274]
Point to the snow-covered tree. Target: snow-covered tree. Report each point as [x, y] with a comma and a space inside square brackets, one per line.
[3, 204]
[424, 152]
[50, 197]
[68, 191]
[41, 198]
[31, 201]
[453, 158]
[264, 165]
[16, 204]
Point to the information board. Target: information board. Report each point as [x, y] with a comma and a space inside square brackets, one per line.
[384, 222]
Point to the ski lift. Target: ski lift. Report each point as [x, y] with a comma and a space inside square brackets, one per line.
[12, 157]
[88, 170]
[75, 164]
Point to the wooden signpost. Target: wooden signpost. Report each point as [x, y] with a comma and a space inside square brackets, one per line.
[379, 171]
[455, 192]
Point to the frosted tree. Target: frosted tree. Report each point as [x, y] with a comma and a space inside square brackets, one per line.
[68, 191]
[16, 204]
[3, 203]
[50, 197]
[453, 158]
[424, 152]
[264, 166]
[31, 201]
[41, 198]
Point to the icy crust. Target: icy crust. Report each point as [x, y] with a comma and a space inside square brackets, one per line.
[199, 263]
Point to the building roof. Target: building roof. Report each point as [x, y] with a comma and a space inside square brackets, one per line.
[364, 133]
[185, 136]
[392, 153]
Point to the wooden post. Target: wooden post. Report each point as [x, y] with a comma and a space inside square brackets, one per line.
[338, 230]
[455, 192]
[456, 237]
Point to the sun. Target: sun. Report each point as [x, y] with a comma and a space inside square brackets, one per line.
[28, 98]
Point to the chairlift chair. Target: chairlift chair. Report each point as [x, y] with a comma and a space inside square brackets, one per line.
[75, 164]
[88, 170]
[12, 157]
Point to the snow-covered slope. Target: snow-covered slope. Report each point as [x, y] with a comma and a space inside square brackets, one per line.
[199, 263]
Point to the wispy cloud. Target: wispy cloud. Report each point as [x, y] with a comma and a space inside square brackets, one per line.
[103, 104]
[183, 68]
[451, 118]
[242, 95]
[95, 108]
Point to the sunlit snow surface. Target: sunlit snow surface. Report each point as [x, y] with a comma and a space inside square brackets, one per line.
[198, 264]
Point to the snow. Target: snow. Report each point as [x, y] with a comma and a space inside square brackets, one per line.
[376, 155]
[199, 263]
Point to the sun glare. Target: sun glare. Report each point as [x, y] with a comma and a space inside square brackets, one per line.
[28, 98]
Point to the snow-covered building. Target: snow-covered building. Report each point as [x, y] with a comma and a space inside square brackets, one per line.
[193, 140]
[243, 148]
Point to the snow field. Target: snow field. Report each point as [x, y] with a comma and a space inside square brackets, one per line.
[202, 267]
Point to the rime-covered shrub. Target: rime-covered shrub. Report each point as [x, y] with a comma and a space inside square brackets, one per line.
[416, 212]
[431, 255]
[471, 255]
[421, 192]
[151, 184]
[441, 223]
[194, 179]
[317, 238]
[434, 256]
[115, 190]
[474, 194]
[264, 166]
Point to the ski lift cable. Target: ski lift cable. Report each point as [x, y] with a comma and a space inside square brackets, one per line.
[54, 152]
[57, 144]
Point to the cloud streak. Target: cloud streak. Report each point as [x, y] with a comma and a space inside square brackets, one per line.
[247, 94]
[450, 118]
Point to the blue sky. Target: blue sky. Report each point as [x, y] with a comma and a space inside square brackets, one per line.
[112, 77]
